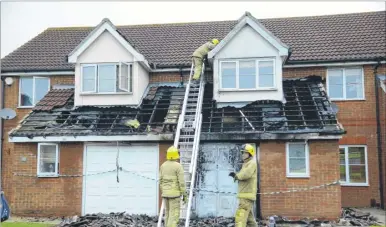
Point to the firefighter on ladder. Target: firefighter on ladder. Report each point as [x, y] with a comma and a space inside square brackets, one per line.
[172, 185]
[247, 188]
[199, 54]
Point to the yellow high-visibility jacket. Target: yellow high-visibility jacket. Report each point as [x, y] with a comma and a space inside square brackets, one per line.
[247, 178]
[171, 178]
[203, 50]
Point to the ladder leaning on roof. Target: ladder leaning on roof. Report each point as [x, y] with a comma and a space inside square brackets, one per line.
[187, 139]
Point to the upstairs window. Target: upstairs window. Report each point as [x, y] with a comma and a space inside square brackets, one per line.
[32, 90]
[107, 78]
[247, 74]
[345, 83]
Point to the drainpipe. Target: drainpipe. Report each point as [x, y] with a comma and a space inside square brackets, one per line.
[1, 136]
[379, 140]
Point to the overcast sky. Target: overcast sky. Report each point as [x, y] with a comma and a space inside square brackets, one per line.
[21, 21]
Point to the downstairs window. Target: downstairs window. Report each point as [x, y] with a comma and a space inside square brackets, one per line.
[353, 165]
[48, 160]
[297, 159]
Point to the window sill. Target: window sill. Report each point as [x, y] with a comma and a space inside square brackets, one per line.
[253, 89]
[298, 176]
[25, 107]
[355, 184]
[107, 93]
[346, 100]
[48, 176]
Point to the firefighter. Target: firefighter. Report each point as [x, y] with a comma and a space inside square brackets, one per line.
[247, 188]
[199, 54]
[172, 184]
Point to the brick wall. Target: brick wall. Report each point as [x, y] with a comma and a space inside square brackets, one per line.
[9, 149]
[324, 203]
[47, 196]
[382, 108]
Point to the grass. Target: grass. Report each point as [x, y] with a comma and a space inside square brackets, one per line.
[25, 224]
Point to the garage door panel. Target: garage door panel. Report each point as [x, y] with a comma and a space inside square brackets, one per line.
[133, 194]
[206, 204]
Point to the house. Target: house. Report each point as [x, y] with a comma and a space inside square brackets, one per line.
[306, 91]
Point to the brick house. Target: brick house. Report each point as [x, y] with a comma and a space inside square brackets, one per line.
[308, 92]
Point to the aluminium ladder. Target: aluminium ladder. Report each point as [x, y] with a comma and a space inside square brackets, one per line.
[187, 139]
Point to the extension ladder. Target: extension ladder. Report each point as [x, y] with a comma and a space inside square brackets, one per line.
[187, 139]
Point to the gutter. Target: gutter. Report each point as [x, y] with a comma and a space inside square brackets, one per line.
[379, 139]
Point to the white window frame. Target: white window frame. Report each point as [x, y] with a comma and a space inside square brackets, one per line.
[237, 61]
[97, 78]
[33, 89]
[129, 84]
[307, 152]
[56, 174]
[347, 182]
[344, 98]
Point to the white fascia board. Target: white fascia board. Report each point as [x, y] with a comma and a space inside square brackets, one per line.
[43, 73]
[280, 46]
[148, 137]
[342, 63]
[106, 26]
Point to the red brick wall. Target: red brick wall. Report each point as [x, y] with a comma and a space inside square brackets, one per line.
[324, 203]
[9, 149]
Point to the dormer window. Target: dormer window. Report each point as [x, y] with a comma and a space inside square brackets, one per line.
[247, 74]
[107, 78]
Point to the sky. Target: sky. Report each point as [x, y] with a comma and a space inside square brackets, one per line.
[21, 21]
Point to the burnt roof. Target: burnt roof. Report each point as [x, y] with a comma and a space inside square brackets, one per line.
[356, 36]
[307, 109]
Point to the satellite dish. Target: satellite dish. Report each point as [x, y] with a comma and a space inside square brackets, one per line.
[8, 80]
[334, 107]
[7, 113]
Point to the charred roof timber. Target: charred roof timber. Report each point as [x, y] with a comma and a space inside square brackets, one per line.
[306, 110]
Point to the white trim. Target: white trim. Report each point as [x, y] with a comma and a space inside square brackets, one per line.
[343, 63]
[42, 73]
[257, 75]
[347, 183]
[259, 28]
[344, 83]
[19, 106]
[84, 178]
[148, 137]
[105, 25]
[307, 153]
[39, 174]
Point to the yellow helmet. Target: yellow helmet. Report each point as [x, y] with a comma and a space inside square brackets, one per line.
[172, 153]
[215, 41]
[248, 148]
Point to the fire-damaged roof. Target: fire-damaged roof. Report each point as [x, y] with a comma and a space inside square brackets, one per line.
[307, 109]
[356, 36]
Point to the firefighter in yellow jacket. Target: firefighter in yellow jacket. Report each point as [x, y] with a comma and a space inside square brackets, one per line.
[247, 178]
[172, 184]
[199, 54]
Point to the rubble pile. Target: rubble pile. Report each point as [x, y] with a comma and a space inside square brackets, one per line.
[355, 217]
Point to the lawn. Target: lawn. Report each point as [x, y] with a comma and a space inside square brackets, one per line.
[25, 224]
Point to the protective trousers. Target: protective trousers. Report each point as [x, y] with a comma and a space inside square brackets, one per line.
[244, 216]
[197, 67]
[172, 211]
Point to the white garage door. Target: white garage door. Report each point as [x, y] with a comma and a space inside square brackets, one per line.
[133, 194]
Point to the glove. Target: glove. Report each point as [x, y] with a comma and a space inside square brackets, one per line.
[232, 174]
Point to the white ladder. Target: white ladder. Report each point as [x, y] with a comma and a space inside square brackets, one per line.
[188, 139]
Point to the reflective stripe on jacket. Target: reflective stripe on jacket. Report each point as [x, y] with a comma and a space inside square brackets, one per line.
[203, 50]
[247, 178]
[172, 182]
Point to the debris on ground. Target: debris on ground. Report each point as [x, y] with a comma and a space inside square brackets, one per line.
[356, 217]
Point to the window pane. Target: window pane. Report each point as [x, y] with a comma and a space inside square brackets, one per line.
[26, 91]
[124, 78]
[343, 172]
[357, 174]
[342, 156]
[228, 72]
[47, 161]
[297, 151]
[335, 83]
[41, 88]
[354, 86]
[356, 155]
[88, 78]
[247, 74]
[106, 74]
[297, 165]
[266, 76]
